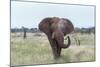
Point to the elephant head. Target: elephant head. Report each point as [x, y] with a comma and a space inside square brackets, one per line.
[56, 28]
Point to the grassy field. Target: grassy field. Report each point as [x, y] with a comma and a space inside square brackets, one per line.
[35, 49]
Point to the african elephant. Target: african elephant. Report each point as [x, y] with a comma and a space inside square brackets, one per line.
[56, 28]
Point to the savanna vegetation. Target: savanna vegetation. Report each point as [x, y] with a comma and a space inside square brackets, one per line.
[35, 49]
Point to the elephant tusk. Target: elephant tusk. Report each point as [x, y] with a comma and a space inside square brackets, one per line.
[53, 34]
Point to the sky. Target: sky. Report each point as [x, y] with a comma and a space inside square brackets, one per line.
[29, 14]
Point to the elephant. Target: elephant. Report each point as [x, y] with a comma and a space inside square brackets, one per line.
[56, 28]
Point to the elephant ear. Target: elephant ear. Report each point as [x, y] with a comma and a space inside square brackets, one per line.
[69, 25]
[44, 25]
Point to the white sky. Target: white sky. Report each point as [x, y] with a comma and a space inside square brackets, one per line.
[29, 14]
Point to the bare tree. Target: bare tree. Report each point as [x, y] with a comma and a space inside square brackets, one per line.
[24, 32]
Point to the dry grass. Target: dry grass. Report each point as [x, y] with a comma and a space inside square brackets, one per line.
[37, 50]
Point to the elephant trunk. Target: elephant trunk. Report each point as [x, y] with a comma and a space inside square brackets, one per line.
[69, 42]
[62, 45]
[59, 38]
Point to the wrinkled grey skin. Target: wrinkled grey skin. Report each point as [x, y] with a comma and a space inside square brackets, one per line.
[56, 28]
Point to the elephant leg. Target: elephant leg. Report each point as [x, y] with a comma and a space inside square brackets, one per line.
[59, 51]
[59, 37]
[54, 47]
